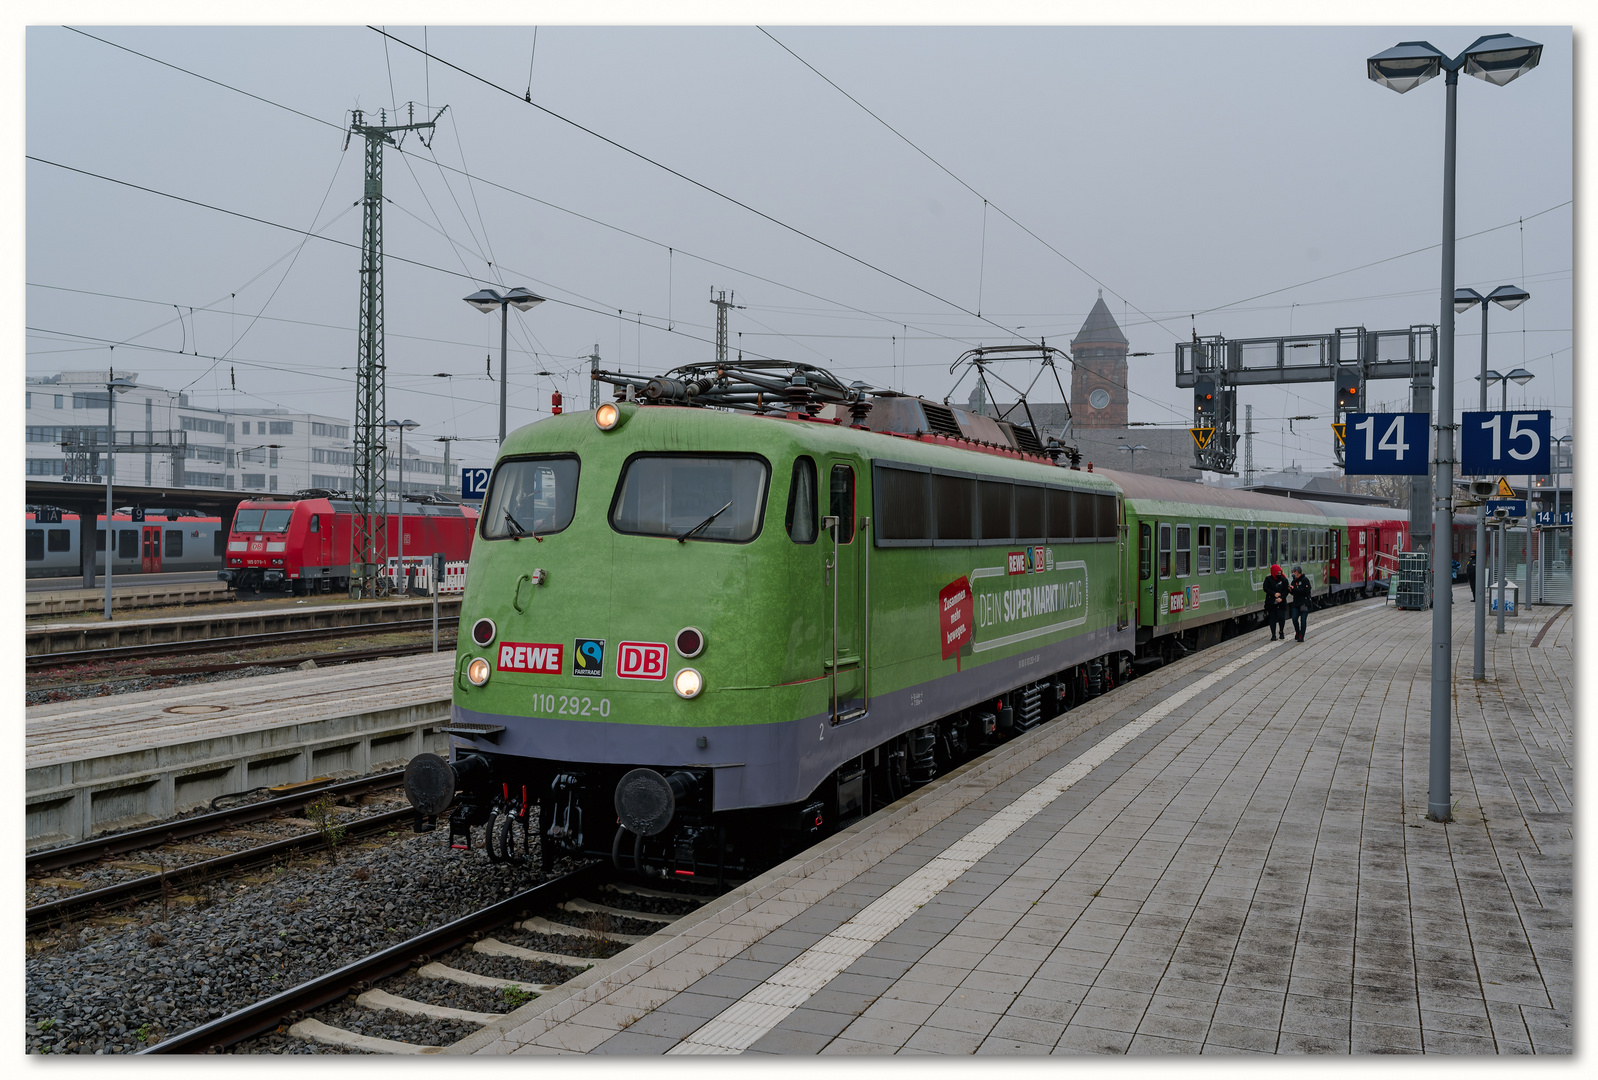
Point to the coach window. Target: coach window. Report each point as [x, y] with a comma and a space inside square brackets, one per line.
[35, 545]
[842, 502]
[1271, 555]
[1145, 554]
[127, 543]
[1220, 549]
[174, 544]
[1250, 550]
[59, 540]
[802, 502]
[1184, 550]
[1165, 551]
[1058, 510]
[1203, 549]
[1237, 548]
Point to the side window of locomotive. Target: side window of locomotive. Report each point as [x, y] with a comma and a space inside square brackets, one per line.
[316, 523]
[35, 545]
[1237, 548]
[531, 497]
[1165, 551]
[714, 497]
[954, 502]
[59, 540]
[997, 518]
[1029, 513]
[174, 544]
[1060, 514]
[1145, 554]
[903, 501]
[1184, 550]
[1203, 549]
[841, 489]
[802, 502]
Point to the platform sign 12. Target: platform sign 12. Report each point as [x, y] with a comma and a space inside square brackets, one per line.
[1387, 444]
[1492, 443]
[474, 484]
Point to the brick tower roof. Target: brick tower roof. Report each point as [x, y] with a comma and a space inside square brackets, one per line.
[1100, 327]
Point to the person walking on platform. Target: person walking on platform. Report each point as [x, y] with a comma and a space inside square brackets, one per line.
[1300, 588]
[1470, 575]
[1276, 597]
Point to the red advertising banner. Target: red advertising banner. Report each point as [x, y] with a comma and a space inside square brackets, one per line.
[956, 613]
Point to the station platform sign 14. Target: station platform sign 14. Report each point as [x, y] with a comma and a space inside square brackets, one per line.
[1387, 444]
[474, 484]
[1548, 517]
[1492, 443]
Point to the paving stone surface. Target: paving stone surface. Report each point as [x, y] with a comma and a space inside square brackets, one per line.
[1252, 873]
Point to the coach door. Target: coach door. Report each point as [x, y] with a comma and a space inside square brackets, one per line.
[847, 572]
[150, 562]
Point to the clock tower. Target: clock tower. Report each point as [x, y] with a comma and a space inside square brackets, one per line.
[1098, 371]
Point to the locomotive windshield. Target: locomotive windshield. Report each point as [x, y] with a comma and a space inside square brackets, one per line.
[530, 496]
[249, 520]
[691, 497]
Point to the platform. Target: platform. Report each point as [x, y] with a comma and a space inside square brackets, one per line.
[1227, 855]
[99, 763]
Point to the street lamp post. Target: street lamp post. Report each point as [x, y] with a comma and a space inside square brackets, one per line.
[486, 300]
[1508, 297]
[113, 387]
[401, 426]
[1133, 451]
[1498, 59]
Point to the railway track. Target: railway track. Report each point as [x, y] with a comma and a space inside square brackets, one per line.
[354, 984]
[240, 641]
[123, 894]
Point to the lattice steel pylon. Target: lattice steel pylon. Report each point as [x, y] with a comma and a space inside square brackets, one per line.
[369, 528]
[723, 305]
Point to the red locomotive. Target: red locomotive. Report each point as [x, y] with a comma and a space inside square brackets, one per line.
[306, 545]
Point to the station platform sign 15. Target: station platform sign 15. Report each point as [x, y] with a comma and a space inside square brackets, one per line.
[474, 484]
[1387, 444]
[1492, 443]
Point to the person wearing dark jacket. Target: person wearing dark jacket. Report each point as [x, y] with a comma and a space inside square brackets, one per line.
[1300, 588]
[1470, 575]
[1277, 595]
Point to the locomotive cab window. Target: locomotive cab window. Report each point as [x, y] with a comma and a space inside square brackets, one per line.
[690, 496]
[530, 497]
[802, 502]
[842, 502]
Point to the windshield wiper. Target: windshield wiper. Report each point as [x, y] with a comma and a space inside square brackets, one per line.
[684, 537]
[521, 531]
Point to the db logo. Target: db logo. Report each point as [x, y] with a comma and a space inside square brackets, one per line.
[641, 660]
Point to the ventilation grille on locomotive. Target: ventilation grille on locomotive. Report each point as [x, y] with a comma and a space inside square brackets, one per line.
[941, 421]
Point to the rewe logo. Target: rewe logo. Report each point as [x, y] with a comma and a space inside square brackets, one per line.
[531, 659]
[641, 660]
[1018, 560]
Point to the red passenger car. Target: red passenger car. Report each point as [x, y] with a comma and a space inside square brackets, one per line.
[306, 545]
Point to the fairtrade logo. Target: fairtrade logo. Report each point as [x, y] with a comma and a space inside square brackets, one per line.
[641, 660]
[588, 657]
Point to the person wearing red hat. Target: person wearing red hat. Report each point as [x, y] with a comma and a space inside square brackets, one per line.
[1277, 594]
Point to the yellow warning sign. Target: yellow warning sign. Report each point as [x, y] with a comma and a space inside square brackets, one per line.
[1202, 436]
[1341, 431]
[1504, 490]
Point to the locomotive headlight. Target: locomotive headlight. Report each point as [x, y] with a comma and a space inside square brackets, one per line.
[688, 683]
[478, 670]
[607, 416]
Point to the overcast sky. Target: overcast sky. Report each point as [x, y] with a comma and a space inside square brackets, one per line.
[1241, 182]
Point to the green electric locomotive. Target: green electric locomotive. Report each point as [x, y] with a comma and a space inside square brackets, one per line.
[693, 639]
